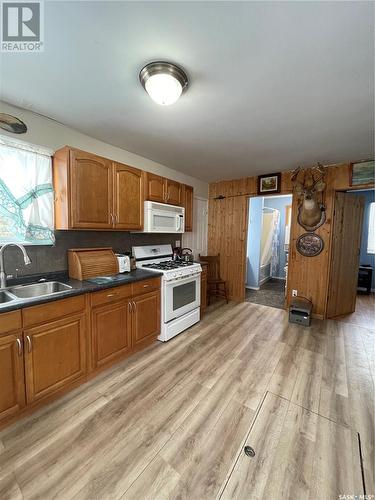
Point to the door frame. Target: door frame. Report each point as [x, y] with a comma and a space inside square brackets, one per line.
[248, 197]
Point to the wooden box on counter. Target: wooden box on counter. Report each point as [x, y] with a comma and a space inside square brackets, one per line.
[85, 263]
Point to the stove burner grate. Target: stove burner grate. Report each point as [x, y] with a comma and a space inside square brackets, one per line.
[169, 264]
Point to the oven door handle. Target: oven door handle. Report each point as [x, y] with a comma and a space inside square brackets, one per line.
[183, 280]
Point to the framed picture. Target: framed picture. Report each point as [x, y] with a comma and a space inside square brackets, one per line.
[362, 172]
[309, 244]
[270, 183]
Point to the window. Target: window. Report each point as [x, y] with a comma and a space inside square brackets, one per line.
[26, 194]
[371, 229]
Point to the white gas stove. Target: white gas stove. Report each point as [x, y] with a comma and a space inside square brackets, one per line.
[180, 291]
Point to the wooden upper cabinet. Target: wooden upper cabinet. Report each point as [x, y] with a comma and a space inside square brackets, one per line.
[188, 193]
[12, 392]
[55, 355]
[83, 190]
[173, 192]
[162, 190]
[155, 187]
[91, 191]
[128, 197]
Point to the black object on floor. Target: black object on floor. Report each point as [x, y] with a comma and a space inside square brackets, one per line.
[271, 293]
[365, 278]
[300, 311]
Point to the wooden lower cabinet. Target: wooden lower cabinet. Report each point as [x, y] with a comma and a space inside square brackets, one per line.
[48, 348]
[111, 332]
[12, 384]
[203, 288]
[125, 324]
[55, 355]
[146, 318]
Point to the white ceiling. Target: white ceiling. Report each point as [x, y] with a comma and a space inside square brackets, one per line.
[273, 84]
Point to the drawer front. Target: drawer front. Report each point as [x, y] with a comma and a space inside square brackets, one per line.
[10, 321]
[52, 310]
[146, 286]
[111, 295]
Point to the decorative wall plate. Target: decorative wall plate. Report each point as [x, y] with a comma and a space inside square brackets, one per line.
[322, 218]
[309, 244]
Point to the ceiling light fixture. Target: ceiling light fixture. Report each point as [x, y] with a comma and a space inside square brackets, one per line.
[12, 124]
[163, 81]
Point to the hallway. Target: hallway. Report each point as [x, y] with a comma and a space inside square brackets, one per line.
[271, 293]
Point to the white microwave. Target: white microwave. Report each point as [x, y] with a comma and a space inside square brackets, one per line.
[162, 218]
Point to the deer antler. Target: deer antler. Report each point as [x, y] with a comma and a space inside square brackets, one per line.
[320, 169]
[295, 173]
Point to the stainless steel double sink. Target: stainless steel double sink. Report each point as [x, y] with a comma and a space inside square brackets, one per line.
[32, 291]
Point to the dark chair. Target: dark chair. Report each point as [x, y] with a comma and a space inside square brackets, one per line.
[216, 287]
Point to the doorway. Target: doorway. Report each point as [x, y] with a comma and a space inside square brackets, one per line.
[351, 295]
[268, 236]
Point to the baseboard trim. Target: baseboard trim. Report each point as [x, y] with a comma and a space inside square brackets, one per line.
[252, 288]
[264, 280]
[317, 316]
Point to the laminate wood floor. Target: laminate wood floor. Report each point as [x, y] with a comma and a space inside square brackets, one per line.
[364, 314]
[172, 421]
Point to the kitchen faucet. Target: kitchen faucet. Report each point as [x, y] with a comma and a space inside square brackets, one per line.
[26, 258]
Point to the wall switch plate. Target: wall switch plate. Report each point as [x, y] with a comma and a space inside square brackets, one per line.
[294, 293]
[178, 243]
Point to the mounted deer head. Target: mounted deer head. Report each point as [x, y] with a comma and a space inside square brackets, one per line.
[310, 212]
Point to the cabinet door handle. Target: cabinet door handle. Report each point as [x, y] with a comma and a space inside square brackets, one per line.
[130, 307]
[114, 219]
[29, 346]
[134, 306]
[112, 294]
[145, 286]
[19, 346]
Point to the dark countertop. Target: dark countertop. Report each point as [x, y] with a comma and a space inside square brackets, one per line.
[78, 287]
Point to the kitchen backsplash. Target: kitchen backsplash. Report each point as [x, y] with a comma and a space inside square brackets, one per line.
[54, 258]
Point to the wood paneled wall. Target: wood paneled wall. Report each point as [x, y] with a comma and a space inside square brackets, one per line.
[227, 235]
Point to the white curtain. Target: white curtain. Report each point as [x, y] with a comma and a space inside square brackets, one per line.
[269, 232]
[26, 194]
